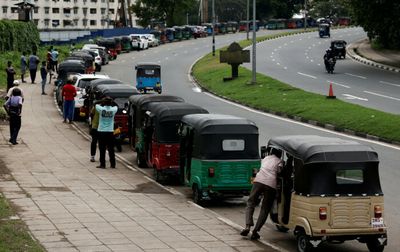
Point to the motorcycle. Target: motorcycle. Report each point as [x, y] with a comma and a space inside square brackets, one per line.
[330, 65]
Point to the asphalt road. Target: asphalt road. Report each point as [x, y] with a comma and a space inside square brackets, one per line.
[176, 60]
[297, 60]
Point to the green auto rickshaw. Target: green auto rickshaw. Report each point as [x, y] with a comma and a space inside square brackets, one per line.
[126, 43]
[218, 155]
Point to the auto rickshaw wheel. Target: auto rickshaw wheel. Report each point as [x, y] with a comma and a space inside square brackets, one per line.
[197, 198]
[303, 242]
[159, 91]
[373, 245]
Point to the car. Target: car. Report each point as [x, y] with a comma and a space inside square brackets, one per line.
[98, 61]
[82, 81]
[103, 51]
[153, 41]
[139, 41]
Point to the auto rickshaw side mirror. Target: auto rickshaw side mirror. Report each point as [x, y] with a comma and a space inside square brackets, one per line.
[263, 151]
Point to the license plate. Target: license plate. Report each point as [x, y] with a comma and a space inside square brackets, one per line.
[377, 222]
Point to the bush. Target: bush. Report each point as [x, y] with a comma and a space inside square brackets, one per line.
[18, 36]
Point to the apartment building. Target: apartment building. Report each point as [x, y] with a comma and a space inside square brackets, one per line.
[68, 14]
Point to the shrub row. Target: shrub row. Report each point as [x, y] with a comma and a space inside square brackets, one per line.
[18, 36]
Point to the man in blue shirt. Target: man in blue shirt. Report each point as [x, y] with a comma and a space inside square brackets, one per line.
[105, 131]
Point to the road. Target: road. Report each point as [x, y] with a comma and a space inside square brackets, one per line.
[176, 60]
[297, 60]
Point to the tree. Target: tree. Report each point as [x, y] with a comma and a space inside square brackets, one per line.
[329, 8]
[173, 12]
[380, 20]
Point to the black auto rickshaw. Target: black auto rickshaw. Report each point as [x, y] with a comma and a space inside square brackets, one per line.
[178, 33]
[126, 43]
[218, 155]
[110, 45]
[137, 108]
[120, 94]
[187, 32]
[87, 58]
[161, 140]
[324, 30]
[328, 191]
[339, 48]
[65, 70]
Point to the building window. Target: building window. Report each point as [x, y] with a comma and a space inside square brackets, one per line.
[84, 22]
[67, 1]
[67, 23]
[5, 9]
[93, 22]
[67, 11]
[76, 10]
[93, 1]
[103, 1]
[46, 22]
[55, 22]
[35, 9]
[14, 9]
[111, 1]
[103, 23]
[55, 11]
[93, 11]
[46, 10]
[103, 11]
[111, 11]
[75, 1]
[36, 21]
[84, 11]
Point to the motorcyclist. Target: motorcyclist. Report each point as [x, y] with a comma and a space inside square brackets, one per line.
[329, 56]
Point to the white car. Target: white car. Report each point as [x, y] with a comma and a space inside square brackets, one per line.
[153, 41]
[139, 41]
[82, 80]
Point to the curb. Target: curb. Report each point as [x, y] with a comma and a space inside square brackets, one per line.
[327, 126]
[352, 53]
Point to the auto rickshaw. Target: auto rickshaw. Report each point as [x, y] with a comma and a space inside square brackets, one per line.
[328, 190]
[218, 155]
[222, 28]
[170, 34]
[157, 35]
[66, 69]
[272, 24]
[118, 45]
[187, 32]
[120, 94]
[110, 45]
[178, 33]
[242, 25]
[209, 28]
[126, 43]
[231, 26]
[148, 77]
[87, 58]
[339, 48]
[138, 105]
[324, 30]
[161, 140]
[163, 37]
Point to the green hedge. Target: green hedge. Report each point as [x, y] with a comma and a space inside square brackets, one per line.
[18, 36]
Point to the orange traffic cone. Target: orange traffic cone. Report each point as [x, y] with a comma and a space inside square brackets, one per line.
[330, 95]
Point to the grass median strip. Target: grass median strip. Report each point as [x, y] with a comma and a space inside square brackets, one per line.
[271, 95]
[13, 232]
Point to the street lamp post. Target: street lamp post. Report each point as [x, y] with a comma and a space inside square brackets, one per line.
[213, 27]
[247, 19]
[305, 14]
[253, 81]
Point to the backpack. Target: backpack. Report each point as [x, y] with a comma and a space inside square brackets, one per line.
[14, 108]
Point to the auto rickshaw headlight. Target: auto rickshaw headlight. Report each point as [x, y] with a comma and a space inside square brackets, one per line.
[211, 171]
[323, 213]
[377, 211]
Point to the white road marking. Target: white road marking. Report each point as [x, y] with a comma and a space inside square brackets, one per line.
[389, 83]
[159, 61]
[278, 63]
[319, 64]
[196, 90]
[285, 68]
[312, 60]
[352, 97]
[273, 59]
[307, 75]
[166, 58]
[342, 85]
[381, 95]
[358, 76]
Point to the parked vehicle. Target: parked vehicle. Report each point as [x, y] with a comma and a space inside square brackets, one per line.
[110, 45]
[148, 77]
[86, 57]
[324, 30]
[120, 93]
[153, 42]
[157, 35]
[126, 43]
[209, 28]
[138, 105]
[329, 190]
[82, 81]
[139, 41]
[161, 140]
[231, 26]
[170, 34]
[242, 25]
[339, 48]
[186, 32]
[218, 155]
[66, 69]
[118, 45]
[101, 50]
[98, 61]
[221, 28]
[177, 33]
[163, 37]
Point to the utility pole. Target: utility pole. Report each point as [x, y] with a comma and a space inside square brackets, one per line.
[108, 14]
[254, 81]
[247, 19]
[305, 14]
[213, 27]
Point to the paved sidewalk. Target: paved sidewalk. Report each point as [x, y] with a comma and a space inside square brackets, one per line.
[69, 205]
[384, 59]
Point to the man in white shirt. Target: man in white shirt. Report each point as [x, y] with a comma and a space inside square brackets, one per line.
[264, 184]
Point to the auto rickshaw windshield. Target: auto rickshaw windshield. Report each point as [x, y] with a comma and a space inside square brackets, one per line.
[148, 72]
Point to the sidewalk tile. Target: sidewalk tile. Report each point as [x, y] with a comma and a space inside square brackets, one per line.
[125, 248]
[100, 248]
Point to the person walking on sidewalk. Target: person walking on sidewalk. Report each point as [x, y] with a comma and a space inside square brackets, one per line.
[24, 66]
[54, 59]
[13, 106]
[33, 63]
[43, 74]
[69, 93]
[264, 184]
[105, 131]
[10, 75]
